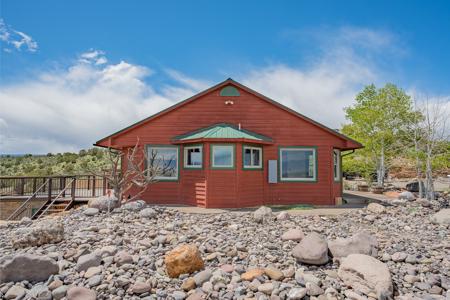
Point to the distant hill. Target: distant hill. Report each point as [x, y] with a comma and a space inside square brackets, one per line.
[52, 164]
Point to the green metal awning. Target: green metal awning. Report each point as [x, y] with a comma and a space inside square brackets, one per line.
[223, 131]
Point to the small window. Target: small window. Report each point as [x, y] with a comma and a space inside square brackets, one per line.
[252, 157]
[297, 164]
[222, 156]
[193, 157]
[337, 165]
[163, 162]
[229, 91]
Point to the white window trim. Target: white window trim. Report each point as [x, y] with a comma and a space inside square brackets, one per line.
[213, 165]
[314, 151]
[176, 165]
[185, 160]
[251, 158]
[337, 154]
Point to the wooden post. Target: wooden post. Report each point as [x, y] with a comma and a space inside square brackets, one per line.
[22, 186]
[72, 192]
[50, 189]
[89, 182]
[93, 186]
[104, 186]
[63, 180]
[34, 185]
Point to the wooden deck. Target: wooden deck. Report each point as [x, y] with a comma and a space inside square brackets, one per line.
[364, 197]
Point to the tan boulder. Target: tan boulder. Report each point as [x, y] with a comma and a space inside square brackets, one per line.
[183, 259]
[366, 275]
[376, 208]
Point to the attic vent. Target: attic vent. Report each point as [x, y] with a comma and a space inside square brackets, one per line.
[229, 91]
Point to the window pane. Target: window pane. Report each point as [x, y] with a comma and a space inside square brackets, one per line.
[256, 155]
[247, 157]
[223, 156]
[194, 157]
[297, 164]
[164, 161]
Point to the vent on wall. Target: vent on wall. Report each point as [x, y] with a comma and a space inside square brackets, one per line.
[229, 91]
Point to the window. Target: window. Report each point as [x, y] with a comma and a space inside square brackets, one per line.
[193, 157]
[229, 91]
[163, 162]
[252, 157]
[337, 165]
[222, 156]
[297, 164]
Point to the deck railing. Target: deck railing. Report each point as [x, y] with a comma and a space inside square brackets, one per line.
[83, 186]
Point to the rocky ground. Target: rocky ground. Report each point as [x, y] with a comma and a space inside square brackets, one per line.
[404, 253]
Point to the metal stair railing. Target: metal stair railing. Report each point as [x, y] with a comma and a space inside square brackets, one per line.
[22, 207]
[39, 213]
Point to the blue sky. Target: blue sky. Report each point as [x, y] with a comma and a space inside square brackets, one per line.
[118, 61]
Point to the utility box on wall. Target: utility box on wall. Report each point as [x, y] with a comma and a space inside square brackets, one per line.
[272, 171]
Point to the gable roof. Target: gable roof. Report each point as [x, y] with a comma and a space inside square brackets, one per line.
[249, 90]
[223, 131]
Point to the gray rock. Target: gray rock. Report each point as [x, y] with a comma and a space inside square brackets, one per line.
[283, 216]
[406, 196]
[179, 295]
[15, 292]
[202, 277]
[362, 243]
[313, 249]
[134, 205]
[27, 267]
[60, 292]
[399, 256]
[122, 258]
[91, 211]
[441, 217]
[81, 293]
[376, 208]
[293, 234]
[95, 280]
[44, 232]
[367, 275]
[104, 203]
[86, 261]
[148, 213]
[262, 214]
[297, 293]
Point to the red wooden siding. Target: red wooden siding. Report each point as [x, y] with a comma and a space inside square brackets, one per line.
[238, 187]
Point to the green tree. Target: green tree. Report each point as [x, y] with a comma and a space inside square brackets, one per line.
[381, 119]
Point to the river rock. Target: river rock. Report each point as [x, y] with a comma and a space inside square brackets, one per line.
[406, 196]
[148, 213]
[104, 203]
[136, 205]
[376, 208]
[86, 261]
[441, 217]
[283, 216]
[81, 293]
[90, 211]
[27, 267]
[15, 292]
[262, 214]
[140, 287]
[313, 250]
[293, 234]
[44, 232]
[184, 259]
[362, 243]
[367, 275]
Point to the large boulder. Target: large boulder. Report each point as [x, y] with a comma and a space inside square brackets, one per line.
[136, 205]
[183, 259]
[376, 208]
[406, 196]
[104, 203]
[262, 214]
[28, 267]
[313, 250]
[441, 217]
[366, 275]
[41, 233]
[362, 243]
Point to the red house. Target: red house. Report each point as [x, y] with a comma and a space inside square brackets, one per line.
[230, 146]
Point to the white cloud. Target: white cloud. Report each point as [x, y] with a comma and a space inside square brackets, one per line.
[17, 39]
[65, 110]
